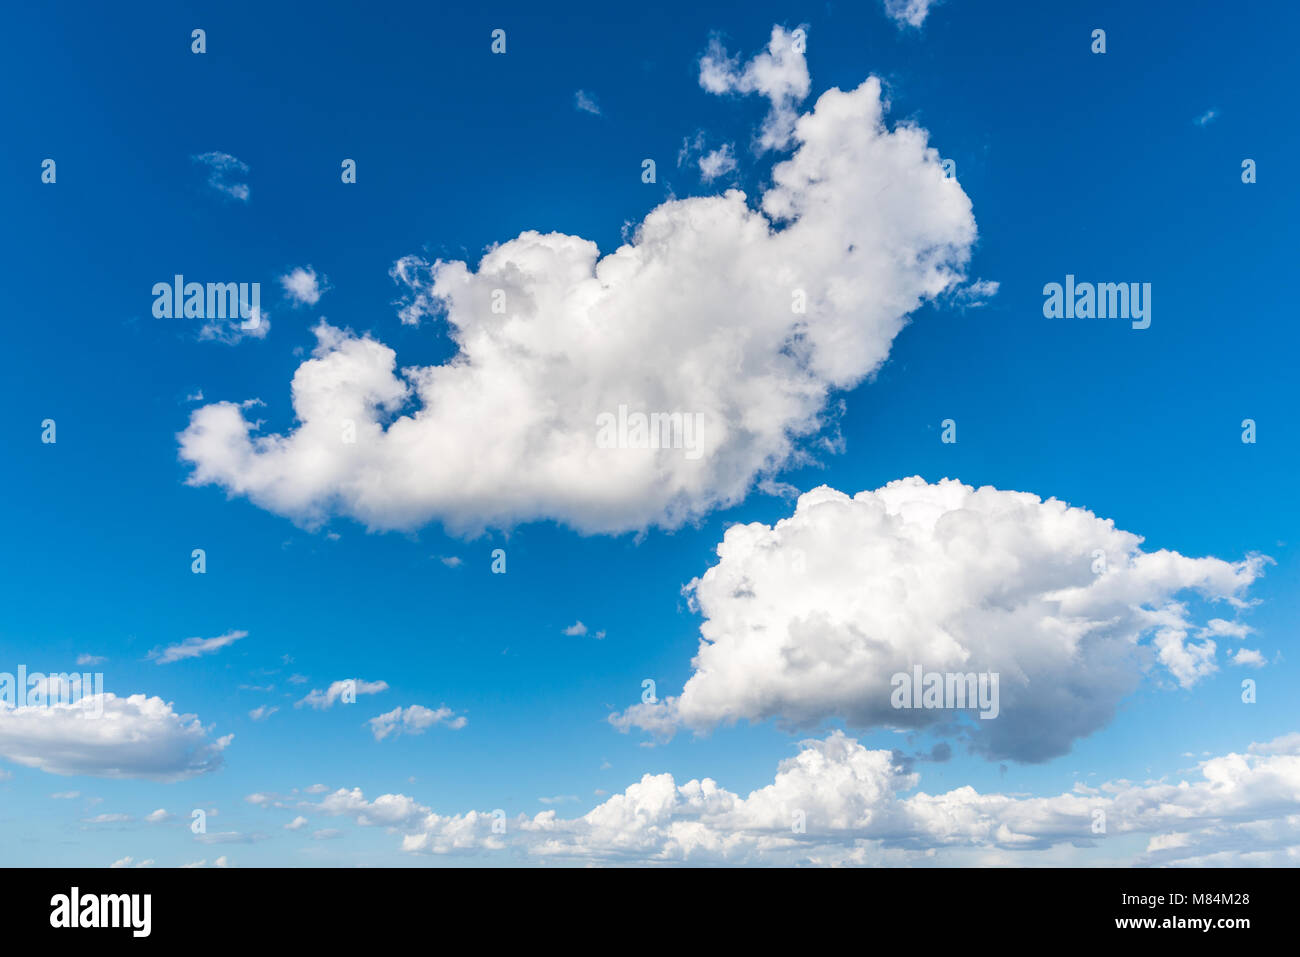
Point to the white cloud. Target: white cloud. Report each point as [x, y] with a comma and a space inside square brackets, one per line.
[414, 720]
[697, 316]
[302, 286]
[131, 862]
[339, 691]
[297, 824]
[160, 816]
[976, 294]
[195, 647]
[83, 660]
[856, 809]
[1206, 118]
[108, 819]
[224, 173]
[717, 163]
[586, 103]
[263, 712]
[1249, 657]
[808, 620]
[134, 737]
[1227, 629]
[780, 74]
[910, 13]
[577, 628]
[235, 329]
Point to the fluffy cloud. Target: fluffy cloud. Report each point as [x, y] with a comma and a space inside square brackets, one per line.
[302, 286]
[852, 806]
[414, 720]
[133, 737]
[910, 13]
[717, 163]
[780, 74]
[739, 320]
[195, 647]
[809, 619]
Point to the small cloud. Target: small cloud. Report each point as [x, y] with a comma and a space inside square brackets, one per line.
[717, 163]
[327, 834]
[976, 294]
[911, 13]
[1206, 118]
[195, 647]
[577, 628]
[451, 561]
[66, 795]
[90, 660]
[339, 691]
[559, 799]
[235, 330]
[131, 862]
[586, 103]
[298, 679]
[108, 819]
[1218, 627]
[297, 824]
[414, 720]
[262, 713]
[159, 816]
[1248, 657]
[317, 789]
[302, 286]
[224, 173]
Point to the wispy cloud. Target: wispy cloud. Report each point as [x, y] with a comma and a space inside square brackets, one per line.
[195, 647]
[224, 174]
[345, 691]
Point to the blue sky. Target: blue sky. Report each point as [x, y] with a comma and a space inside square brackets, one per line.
[1122, 166]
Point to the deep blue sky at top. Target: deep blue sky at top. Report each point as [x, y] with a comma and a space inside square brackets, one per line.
[1076, 163]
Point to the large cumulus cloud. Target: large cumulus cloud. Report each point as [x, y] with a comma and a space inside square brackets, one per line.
[809, 619]
[111, 737]
[747, 316]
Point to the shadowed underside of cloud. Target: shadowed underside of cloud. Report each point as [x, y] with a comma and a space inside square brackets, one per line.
[744, 319]
[809, 619]
[837, 802]
[133, 737]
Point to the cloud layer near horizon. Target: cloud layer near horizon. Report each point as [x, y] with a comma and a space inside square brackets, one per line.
[852, 806]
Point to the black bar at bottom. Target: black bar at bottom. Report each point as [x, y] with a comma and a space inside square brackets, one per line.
[670, 906]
